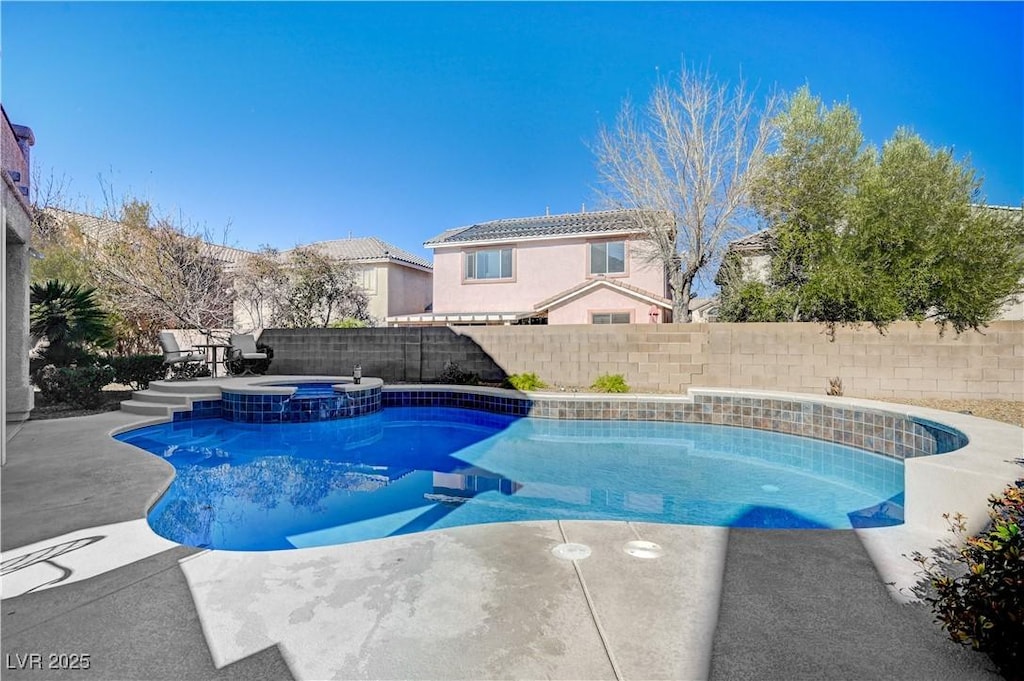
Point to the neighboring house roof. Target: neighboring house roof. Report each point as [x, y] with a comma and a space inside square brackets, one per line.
[100, 229]
[369, 249]
[544, 226]
[758, 241]
[454, 317]
[600, 282]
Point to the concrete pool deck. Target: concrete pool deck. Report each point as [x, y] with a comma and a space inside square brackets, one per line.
[473, 602]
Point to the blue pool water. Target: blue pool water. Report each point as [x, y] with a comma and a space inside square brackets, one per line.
[408, 469]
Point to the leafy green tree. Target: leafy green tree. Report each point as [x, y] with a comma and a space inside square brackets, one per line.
[861, 235]
[70, 319]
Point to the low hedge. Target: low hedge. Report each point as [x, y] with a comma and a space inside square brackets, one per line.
[136, 371]
[78, 386]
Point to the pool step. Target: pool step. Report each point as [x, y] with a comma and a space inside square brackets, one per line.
[160, 397]
[150, 408]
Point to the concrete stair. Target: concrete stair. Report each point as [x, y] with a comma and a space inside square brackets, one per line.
[163, 398]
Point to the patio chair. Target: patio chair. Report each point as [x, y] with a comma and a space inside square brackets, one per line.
[243, 347]
[181, 361]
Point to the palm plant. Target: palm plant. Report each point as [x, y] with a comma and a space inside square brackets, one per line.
[70, 319]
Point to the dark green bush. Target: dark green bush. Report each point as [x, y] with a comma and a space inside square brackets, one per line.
[136, 371]
[981, 604]
[77, 386]
[610, 383]
[525, 381]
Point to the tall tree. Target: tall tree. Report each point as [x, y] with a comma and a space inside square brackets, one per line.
[804, 188]
[260, 282]
[683, 164]
[861, 235]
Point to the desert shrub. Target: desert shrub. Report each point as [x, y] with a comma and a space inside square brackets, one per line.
[525, 381]
[136, 371]
[610, 383]
[348, 323]
[981, 604]
[78, 386]
[453, 374]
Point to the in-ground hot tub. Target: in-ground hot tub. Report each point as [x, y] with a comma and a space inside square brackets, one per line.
[297, 402]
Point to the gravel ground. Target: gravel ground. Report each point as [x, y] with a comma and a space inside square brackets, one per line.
[1007, 411]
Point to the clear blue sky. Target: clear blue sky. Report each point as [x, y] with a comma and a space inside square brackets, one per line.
[303, 122]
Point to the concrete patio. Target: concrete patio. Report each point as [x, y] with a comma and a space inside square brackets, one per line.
[474, 602]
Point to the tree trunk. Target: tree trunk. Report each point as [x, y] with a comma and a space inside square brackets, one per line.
[681, 300]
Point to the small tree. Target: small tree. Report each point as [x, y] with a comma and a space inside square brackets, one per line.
[683, 164]
[309, 289]
[319, 289]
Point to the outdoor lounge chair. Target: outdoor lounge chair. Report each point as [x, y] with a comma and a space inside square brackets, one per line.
[243, 347]
[179, 360]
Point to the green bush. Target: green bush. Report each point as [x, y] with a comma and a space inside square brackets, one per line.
[982, 603]
[76, 386]
[136, 371]
[610, 383]
[526, 381]
[348, 323]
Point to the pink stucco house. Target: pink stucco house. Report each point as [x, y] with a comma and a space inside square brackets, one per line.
[577, 268]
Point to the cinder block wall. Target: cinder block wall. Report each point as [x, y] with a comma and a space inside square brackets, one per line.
[907, 361]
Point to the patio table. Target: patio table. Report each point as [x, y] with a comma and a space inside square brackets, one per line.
[211, 359]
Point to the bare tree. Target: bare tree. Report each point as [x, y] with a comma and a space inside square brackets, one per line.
[683, 164]
[260, 283]
[153, 267]
[320, 289]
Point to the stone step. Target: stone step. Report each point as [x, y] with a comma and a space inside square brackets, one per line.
[161, 398]
[193, 388]
[147, 408]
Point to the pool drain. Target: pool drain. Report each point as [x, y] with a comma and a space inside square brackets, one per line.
[571, 551]
[643, 549]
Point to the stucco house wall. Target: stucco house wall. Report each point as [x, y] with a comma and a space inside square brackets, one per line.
[580, 310]
[409, 290]
[16, 216]
[540, 269]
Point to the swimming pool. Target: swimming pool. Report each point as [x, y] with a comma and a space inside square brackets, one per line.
[246, 486]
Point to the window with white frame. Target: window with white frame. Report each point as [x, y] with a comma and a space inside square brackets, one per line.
[609, 318]
[367, 277]
[493, 263]
[608, 257]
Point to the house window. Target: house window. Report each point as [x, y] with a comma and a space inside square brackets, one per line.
[495, 263]
[608, 257]
[609, 318]
[368, 279]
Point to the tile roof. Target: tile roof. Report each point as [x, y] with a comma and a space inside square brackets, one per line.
[368, 249]
[544, 225]
[99, 229]
[758, 241]
[363, 249]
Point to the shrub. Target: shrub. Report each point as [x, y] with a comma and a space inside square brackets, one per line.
[982, 604]
[452, 374]
[526, 381]
[76, 386]
[136, 371]
[348, 323]
[610, 383]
